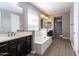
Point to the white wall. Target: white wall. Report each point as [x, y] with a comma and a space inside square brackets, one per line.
[74, 26]
[71, 26]
[0, 21]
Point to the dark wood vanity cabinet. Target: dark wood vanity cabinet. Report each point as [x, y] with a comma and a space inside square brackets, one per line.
[19, 47]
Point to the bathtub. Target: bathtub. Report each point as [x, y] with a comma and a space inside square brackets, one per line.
[42, 44]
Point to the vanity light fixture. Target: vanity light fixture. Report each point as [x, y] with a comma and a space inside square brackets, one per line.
[42, 16]
[46, 17]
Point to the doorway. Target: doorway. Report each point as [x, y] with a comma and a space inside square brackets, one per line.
[57, 26]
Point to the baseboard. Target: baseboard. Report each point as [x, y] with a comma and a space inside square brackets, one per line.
[74, 49]
[66, 37]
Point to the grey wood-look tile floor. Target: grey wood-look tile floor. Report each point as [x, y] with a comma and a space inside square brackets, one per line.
[59, 47]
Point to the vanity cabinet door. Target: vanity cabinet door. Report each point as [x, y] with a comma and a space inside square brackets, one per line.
[21, 47]
[4, 49]
[13, 47]
[13, 50]
[24, 46]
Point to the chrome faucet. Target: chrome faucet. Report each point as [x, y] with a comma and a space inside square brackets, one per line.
[11, 33]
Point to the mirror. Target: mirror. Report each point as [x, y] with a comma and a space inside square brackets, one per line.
[46, 24]
[9, 19]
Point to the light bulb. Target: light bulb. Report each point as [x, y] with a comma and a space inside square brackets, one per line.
[46, 17]
[42, 15]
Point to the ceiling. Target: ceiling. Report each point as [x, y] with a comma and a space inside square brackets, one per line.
[52, 8]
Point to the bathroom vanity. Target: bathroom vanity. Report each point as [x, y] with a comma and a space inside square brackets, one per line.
[18, 45]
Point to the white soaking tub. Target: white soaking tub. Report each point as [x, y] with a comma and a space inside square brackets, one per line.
[42, 44]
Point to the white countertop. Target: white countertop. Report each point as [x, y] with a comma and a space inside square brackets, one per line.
[5, 37]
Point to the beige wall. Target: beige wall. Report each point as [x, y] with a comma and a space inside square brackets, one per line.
[66, 24]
